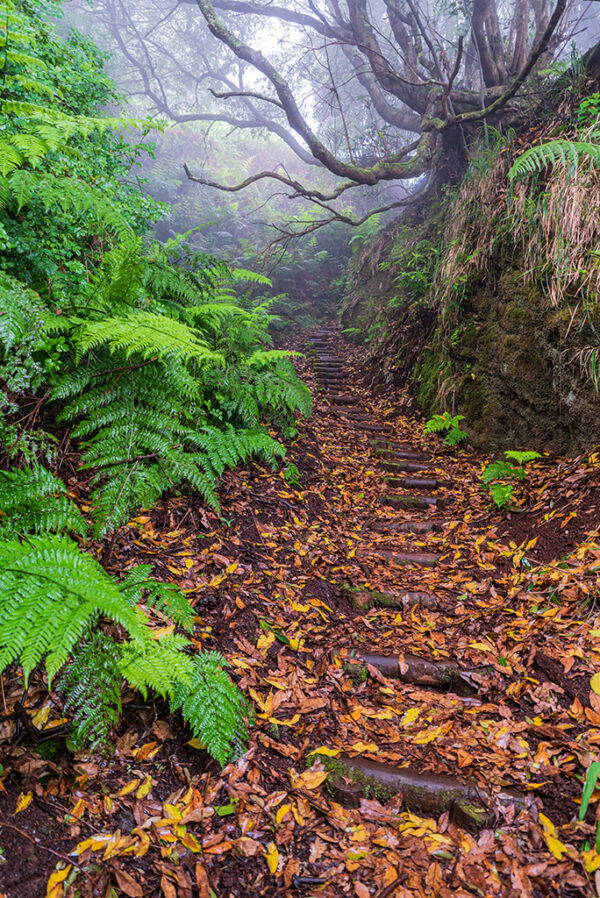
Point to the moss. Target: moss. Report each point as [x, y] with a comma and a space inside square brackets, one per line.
[370, 786]
[358, 673]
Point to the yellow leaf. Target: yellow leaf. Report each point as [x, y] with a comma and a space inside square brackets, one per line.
[556, 846]
[364, 746]
[329, 752]
[189, 562]
[231, 568]
[144, 788]
[95, 843]
[281, 813]
[130, 787]
[591, 860]
[595, 683]
[23, 802]
[483, 646]
[54, 888]
[265, 641]
[143, 845]
[40, 718]
[430, 735]
[409, 717]
[196, 743]
[310, 779]
[78, 809]
[272, 857]
[216, 581]
[284, 723]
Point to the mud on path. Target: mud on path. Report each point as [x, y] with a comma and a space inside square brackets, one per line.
[420, 670]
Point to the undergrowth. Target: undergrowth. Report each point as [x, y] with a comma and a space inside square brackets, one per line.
[140, 357]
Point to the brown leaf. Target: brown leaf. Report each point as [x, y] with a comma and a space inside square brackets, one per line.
[168, 889]
[202, 882]
[128, 884]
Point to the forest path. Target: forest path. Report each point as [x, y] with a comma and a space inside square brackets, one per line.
[399, 654]
[431, 658]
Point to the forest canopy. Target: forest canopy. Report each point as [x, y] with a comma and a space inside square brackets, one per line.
[374, 92]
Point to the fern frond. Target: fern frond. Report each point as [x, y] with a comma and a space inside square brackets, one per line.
[49, 593]
[566, 153]
[214, 708]
[147, 335]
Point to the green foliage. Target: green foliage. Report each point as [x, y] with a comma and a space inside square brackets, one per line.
[415, 261]
[51, 598]
[591, 780]
[449, 423]
[588, 112]
[566, 153]
[35, 501]
[155, 367]
[91, 685]
[500, 476]
[292, 475]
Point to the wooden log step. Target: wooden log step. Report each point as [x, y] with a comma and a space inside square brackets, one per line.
[375, 428]
[400, 500]
[396, 467]
[469, 805]
[343, 410]
[364, 599]
[417, 527]
[414, 559]
[391, 526]
[404, 455]
[414, 483]
[343, 399]
[418, 671]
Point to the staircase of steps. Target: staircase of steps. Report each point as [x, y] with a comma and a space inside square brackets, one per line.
[414, 487]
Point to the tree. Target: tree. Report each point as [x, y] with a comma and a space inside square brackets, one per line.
[373, 90]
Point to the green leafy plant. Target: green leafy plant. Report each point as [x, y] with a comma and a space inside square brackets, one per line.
[35, 501]
[566, 153]
[450, 425]
[591, 780]
[291, 475]
[51, 598]
[501, 476]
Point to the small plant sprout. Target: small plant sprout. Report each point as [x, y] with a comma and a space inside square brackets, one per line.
[501, 476]
[448, 424]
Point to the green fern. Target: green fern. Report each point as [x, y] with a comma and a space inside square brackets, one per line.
[215, 710]
[566, 153]
[49, 594]
[51, 597]
[92, 684]
[35, 501]
[148, 335]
